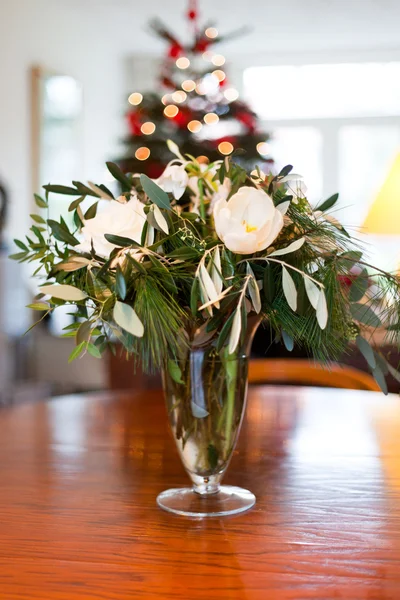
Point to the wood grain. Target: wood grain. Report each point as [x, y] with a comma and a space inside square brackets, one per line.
[78, 519]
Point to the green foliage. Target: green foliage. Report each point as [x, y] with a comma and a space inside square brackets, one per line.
[181, 286]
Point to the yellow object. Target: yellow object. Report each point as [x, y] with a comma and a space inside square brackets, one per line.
[384, 214]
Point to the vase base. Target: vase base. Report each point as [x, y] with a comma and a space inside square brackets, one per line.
[229, 500]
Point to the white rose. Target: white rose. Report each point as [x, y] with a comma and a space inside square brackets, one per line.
[123, 219]
[248, 222]
[174, 180]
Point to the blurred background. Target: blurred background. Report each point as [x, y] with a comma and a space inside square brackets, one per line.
[314, 83]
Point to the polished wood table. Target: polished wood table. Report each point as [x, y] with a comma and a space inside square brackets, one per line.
[79, 477]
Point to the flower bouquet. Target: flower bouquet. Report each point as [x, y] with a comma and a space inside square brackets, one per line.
[182, 270]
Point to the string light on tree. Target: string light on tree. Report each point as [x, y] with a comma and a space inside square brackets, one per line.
[197, 99]
[148, 128]
[183, 62]
[231, 94]
[171, 111]
[142, 153]
[218, 60]
[263, 148]
[220, 75]
[135, 98]
[179, 96]
[211, 33]
[225, 148]
[194, 126]
[188, 85]
[211, 118]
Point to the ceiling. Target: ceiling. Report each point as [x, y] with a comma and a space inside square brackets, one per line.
[279, 26]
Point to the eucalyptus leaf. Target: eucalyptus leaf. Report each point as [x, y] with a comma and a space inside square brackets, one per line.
[328, 203]
[287, 340]
[91, 211]
[83, 333]
[364, 314]
[119, 175]
[235, 331]
[120, 241]
[40, 202]
[63, 292]
[184, 253]
[160, 220]
[359, 286]
[155, 193]
[61, 234]
[289, 289]
[38, 306]
[125, 316]
[77, 351]
[296, 245]
[61, 189]
[120, 283]
[93, 350]
[366, 350]
[380, 379]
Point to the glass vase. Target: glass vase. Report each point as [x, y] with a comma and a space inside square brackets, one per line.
[205, 393]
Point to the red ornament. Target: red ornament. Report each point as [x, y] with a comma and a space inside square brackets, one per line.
[202, 45]
[134, 123]
[182, 118]
[175, 50]
[192, 15]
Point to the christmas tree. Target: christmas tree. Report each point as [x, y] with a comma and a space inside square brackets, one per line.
[196, 107]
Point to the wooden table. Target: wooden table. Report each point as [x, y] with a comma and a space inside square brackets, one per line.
[78, 520]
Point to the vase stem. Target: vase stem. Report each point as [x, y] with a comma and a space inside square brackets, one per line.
[206, 486]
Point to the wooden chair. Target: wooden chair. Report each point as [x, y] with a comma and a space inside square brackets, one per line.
[307, 372]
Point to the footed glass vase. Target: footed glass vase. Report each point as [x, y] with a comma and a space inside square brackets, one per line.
[205, 394]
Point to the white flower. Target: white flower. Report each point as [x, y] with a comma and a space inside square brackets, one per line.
[248, 222]
[174, 180]
[123, 219]
[295, 185]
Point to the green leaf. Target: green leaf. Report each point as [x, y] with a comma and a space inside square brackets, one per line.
[77, 351]
[155, 193]
[269, 285]
[225, 332]
[175, 371]
[37, 219]
[61, 189]
[119, 175]
[287, 340]
[331, 201]
[184, 253]
[194, 296]
[38, 306]
[212, 454]
[64, 292]
[83, 332]
[91, 211]
[61, 234]
[353, 256]
[364, 314]
[127, 319]
[17, 255]
[359, 286]
[366, 351]
[120, 283]
[285, 171]
[136, 264]
[40, 202]
[380, 379]
[227, 264]
[85, 190]
[21, 245]
[75, 203]
[93, 350]
[121, 242]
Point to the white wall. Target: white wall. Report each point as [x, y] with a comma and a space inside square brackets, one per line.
[62, 38]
